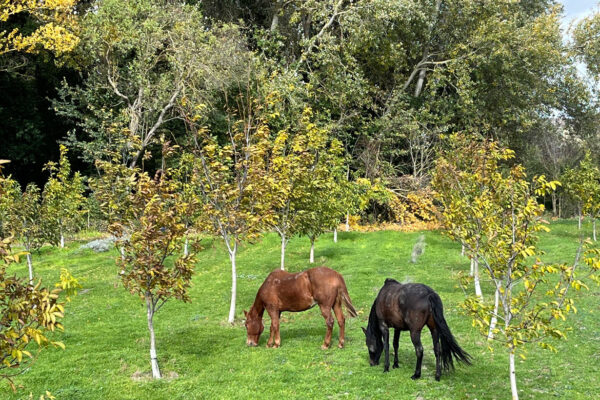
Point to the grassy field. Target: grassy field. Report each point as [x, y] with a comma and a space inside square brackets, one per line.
[202, 356]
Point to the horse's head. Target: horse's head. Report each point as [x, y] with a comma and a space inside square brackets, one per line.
[374, 345]
[254, 327]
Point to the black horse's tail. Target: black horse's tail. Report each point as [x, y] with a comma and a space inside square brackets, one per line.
[450, 349]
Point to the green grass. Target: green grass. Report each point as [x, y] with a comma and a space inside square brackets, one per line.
[203, 357]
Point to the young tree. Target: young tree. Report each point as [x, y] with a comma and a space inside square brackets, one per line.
[298, 161]
[529, 293]
[63, 198]
[466, 173]
[151, 266]
[231, 178]
[27, 313]
[27, 222]
[582, 184]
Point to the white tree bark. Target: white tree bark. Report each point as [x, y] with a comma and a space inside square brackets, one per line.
[335, 235]
[513, 375]
[153, 358]
[62, 240]
[494, 319]
[475, 264]
[594, 229]
[579, 220]
[472, 267]
[30, 267]
[312, 250]
[462, 250]
[232, 254]
[347, 222]
[283, 245]
[185, 247]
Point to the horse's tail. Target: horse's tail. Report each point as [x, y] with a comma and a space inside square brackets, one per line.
[450, 349]
[345, 297]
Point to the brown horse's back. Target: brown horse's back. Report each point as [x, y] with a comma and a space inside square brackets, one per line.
[328, 286]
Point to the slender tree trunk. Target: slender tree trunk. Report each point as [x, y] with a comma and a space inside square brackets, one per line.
[347, 227]
[62, 240]
[462, 250]
[594, 232]
[472, 267]
[30, 267]
[185, 247]
[335, 234]
[283, 245]
[478, 292]
[554, 208]
[494, 319]
[153, 357]
[312, 250]
[232, 254]
[88, 221]
[513, 375]
[580, 218]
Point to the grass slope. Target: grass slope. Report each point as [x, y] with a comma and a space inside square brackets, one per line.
[204, 357]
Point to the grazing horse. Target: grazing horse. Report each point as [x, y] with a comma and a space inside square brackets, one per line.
[283, 291]
[409, 307]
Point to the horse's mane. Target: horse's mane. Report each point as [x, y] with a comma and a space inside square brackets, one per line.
[373, 325]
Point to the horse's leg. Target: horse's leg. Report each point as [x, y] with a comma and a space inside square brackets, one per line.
[396, 340]
[436, 350]
[326, 312]
[415, 336]
[386, 347]
[339, 315]
[274, 332]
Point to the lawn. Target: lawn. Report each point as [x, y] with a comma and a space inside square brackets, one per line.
[201, 356]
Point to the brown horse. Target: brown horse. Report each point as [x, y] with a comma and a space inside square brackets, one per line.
[283, 291]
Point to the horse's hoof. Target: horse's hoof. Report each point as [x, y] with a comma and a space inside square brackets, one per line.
[324, 347]
[395, 365]
[386, 369]
[437, 378]
[340, 345]
[415, 377]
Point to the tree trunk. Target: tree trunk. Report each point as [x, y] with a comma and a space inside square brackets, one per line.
[420, 81]
[153, 358]
[232, 254]
[185, 247]
[579, 220]
[30, 267]
[62, 240]
[347, 222]
[283, 245]
[476, 277]
[513, 375]
[275, 19]
[472, 267]
[594, 232]
[335, 235]
[122, 250]
[494, 319]
[554, 208]
[312, 250]
[462, 250]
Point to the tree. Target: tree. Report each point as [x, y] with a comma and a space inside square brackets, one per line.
[26, 221]
[529, 293]
[27, 312]
[582, 184]
[151, 266]
[304, 166]
[63, 196]
[467, 174]
[141, 56]
[57, 30]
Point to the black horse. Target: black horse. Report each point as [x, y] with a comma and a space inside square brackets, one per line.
[409, 307]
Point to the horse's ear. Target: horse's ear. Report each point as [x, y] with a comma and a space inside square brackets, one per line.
[246, 313]
[364, 330]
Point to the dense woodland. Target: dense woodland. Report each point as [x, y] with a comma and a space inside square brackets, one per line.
[155, 121]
